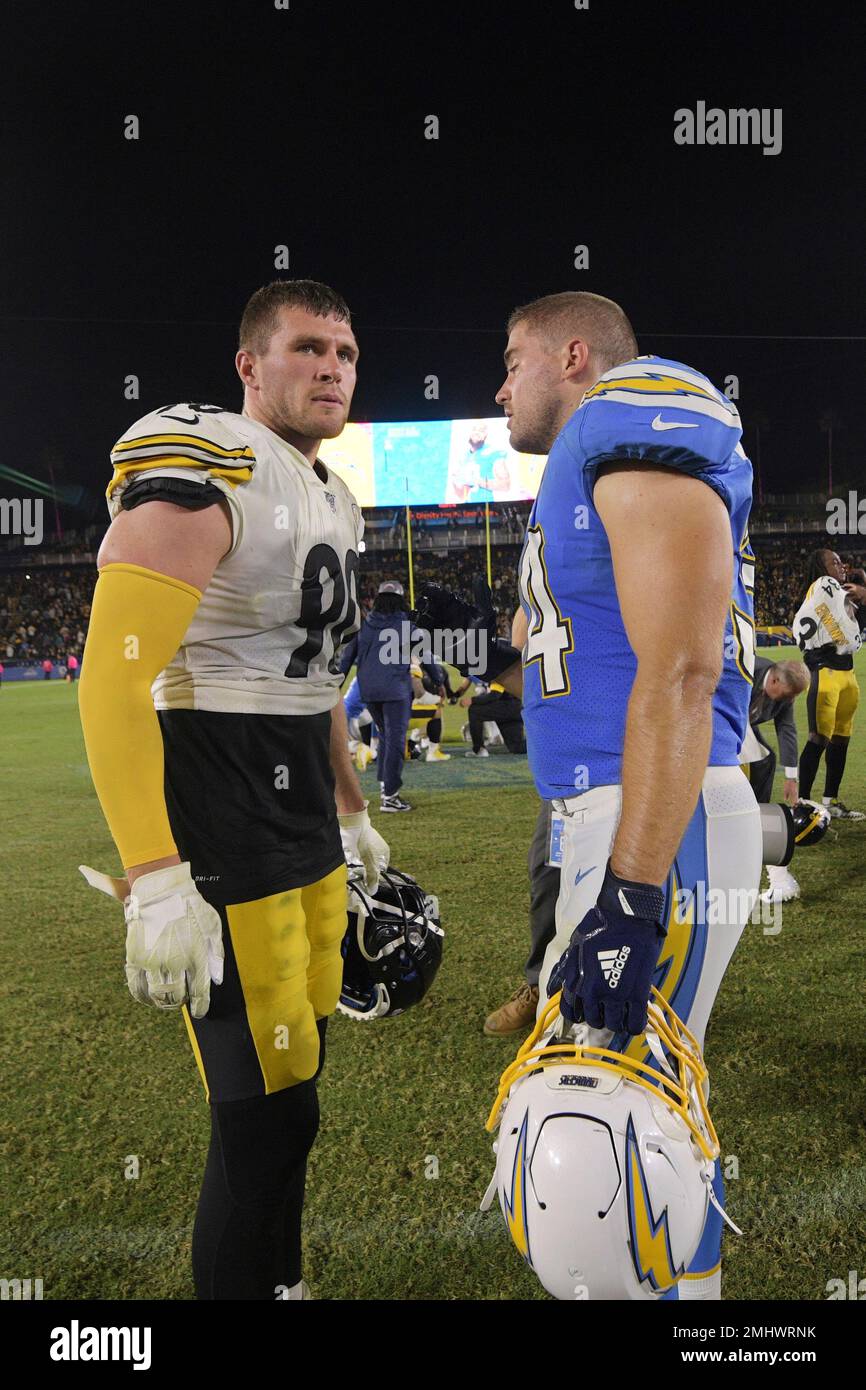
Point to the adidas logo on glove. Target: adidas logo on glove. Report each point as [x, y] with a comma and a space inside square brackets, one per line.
[613, 964]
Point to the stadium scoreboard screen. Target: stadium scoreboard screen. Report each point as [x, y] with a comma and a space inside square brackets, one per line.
[432, 462]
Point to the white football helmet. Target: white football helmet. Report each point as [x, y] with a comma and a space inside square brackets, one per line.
[604, 1161]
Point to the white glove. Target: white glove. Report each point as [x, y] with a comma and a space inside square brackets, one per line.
[362, 844]
[174, 943]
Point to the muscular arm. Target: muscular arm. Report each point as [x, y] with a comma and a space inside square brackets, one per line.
[187, 545]
[670, 541]
[348, 789]
[143, 551]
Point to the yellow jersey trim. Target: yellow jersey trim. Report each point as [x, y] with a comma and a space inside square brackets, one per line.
[232, 476]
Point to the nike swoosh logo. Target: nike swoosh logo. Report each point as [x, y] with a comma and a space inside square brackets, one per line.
[182, 419]
[660, 424]
[579, 876]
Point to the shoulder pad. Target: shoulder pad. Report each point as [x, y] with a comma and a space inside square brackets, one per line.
[198, 438]
[660, 411]
[200, 433]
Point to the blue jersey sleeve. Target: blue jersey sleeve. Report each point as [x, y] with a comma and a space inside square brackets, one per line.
[656, 412]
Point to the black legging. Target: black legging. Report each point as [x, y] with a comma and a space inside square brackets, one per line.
[246, 1241]
[505, 711]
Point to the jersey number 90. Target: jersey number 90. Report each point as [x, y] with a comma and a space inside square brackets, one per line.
[315, 617]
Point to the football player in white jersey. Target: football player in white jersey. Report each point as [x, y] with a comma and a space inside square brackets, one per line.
[827, 627]
[217, 743]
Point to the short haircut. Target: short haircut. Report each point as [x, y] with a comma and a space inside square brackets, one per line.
[261, 316]
[558, 317]
[794, 674]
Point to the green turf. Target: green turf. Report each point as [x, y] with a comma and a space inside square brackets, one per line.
[92, 1078]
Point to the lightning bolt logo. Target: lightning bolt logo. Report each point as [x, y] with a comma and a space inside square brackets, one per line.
[516, 1218]
[649, 1237]
[653, 383]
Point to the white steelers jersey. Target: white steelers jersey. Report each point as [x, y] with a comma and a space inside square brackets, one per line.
[825, 619]
[284, 599]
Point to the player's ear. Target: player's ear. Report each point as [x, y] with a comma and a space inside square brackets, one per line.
[575, 358]
[246, 367]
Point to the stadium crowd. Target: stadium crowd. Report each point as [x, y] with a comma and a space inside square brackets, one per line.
[44, 614]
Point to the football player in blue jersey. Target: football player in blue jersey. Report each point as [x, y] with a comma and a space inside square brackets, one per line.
[634, 655]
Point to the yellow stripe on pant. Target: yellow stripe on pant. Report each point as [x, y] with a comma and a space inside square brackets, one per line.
[287, 973]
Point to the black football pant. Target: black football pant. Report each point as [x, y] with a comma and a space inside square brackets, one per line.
[506, 712]
[543, 893]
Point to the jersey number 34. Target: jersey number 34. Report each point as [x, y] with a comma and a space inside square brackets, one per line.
[550, 639]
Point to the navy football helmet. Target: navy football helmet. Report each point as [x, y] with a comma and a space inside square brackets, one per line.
[392, 947]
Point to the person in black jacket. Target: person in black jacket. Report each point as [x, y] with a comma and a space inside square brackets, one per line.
[384, 650]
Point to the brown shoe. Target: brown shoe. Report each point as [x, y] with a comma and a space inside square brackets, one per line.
[517, 1014]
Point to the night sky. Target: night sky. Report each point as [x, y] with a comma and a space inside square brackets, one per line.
[261, 126]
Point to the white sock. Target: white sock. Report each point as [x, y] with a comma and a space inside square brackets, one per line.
[707, 1288]
[826, 800]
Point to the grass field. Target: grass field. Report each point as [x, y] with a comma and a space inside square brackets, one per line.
[92, 1079]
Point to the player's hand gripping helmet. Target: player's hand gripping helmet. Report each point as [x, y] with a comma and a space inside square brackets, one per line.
[392, 947]
[604, 1160]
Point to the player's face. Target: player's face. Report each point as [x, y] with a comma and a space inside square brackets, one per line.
[835, 568]
[529, 395]
[306, 379]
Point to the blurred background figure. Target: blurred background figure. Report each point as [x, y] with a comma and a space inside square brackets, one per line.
[828, 626]
[363, 734]
[383, 651]
[491, 704]
[518, 1012]
[774, 690]
[425, 721]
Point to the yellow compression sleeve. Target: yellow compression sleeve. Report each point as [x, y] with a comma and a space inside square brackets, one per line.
[137, 622]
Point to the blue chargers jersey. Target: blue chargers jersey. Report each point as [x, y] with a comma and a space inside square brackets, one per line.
[578, 665]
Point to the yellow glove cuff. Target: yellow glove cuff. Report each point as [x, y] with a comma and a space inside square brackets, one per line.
[138, 620]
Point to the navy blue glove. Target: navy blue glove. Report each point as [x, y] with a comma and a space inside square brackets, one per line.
[606, 973]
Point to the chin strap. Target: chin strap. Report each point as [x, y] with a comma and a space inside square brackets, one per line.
[490, 1194]
[714, 1201]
